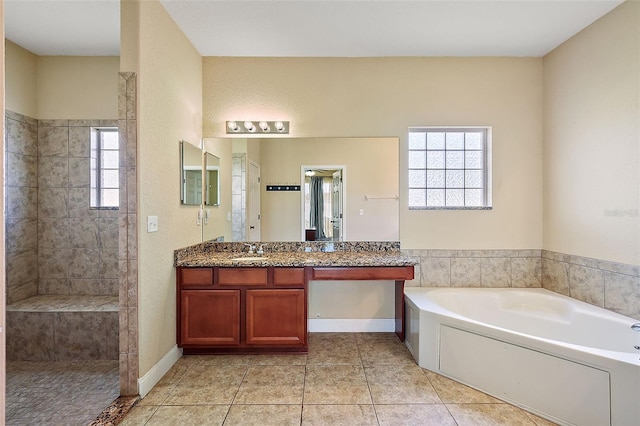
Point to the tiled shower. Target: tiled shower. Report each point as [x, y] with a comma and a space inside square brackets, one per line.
[61, 256]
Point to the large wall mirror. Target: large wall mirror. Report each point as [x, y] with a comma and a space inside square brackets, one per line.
[366, 202]
[191, 179]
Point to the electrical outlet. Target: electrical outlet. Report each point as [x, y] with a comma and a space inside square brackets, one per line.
[152, 223]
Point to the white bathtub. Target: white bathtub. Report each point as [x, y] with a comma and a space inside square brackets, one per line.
[565, 360]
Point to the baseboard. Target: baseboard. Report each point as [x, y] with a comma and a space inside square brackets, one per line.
[321, 325]
[153, 376]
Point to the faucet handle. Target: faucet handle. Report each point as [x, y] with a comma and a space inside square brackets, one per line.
[251, 247]
[260, 250]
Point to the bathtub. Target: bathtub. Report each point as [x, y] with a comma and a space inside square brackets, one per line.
[560, 358]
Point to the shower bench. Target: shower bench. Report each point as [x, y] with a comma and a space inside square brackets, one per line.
[62, 328]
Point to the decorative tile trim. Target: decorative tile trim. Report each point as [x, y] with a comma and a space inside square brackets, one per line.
[127, 237]
[604, 265]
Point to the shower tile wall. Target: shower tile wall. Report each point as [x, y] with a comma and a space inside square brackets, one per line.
[238, 196]
[21, 183]
[78, 246]
[55, 243]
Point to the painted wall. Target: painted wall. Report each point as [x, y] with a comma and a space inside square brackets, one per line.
[68, 87]
[365, 97]
[341, 97]
[371, 169]
[170, 109]
[592, 140]
[21, 74]
[61, 87]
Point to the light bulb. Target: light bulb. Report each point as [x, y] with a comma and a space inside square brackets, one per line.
[279, 126]
[264, 126]
[249, 126]
[232, 125]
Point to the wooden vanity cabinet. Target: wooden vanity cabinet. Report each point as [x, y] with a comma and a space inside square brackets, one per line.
[250, 309]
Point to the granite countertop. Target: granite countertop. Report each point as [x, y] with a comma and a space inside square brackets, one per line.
[293, 254]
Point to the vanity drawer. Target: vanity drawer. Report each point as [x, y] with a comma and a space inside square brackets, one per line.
[242, 276]
[196, 276]
[288, 276]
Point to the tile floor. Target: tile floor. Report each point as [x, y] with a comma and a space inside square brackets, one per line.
[346, 379]
[59, 393]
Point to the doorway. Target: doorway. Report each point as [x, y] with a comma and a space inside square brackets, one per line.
[323, 203]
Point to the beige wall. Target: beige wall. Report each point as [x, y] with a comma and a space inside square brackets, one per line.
[326, 97]
[61, 87]
[170, 109]
[371, 168]
[21, 75]
[68, 87]
[592, 140]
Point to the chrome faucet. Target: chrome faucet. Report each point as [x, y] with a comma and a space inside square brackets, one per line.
[636, 326]
[260, 250]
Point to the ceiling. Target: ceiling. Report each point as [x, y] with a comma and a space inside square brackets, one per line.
[337, 28]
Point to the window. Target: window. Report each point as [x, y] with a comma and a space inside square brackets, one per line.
[104, 164]
[449, 168]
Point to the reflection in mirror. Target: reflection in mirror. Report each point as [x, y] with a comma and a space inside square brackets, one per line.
[190, 174]
[212, 180]
[370, 208]
[323, 203]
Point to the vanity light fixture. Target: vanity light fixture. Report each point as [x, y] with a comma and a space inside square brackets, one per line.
[258, 127]
[249, 127]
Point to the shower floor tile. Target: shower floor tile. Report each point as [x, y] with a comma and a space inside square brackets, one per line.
[59, 393]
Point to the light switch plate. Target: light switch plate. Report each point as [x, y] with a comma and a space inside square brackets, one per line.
[152, 223]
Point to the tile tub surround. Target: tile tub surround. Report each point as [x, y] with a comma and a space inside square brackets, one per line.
[295, 254]
[476, 268]
[609, 285]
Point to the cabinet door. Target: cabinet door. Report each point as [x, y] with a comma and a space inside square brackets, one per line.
[276, 317]
[210, 317]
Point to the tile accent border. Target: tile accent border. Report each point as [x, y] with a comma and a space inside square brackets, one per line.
[128, 235]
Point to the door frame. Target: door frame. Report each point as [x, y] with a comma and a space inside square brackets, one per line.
[341, 167]
[252, 208]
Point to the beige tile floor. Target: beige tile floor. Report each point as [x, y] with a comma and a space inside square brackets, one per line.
[59, 393]
[346, 379]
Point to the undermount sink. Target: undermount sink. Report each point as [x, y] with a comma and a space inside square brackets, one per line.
[248, 258]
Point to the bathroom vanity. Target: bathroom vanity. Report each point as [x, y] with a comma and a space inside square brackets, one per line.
[229, 301]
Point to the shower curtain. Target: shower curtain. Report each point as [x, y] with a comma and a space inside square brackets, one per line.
[317, 206]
